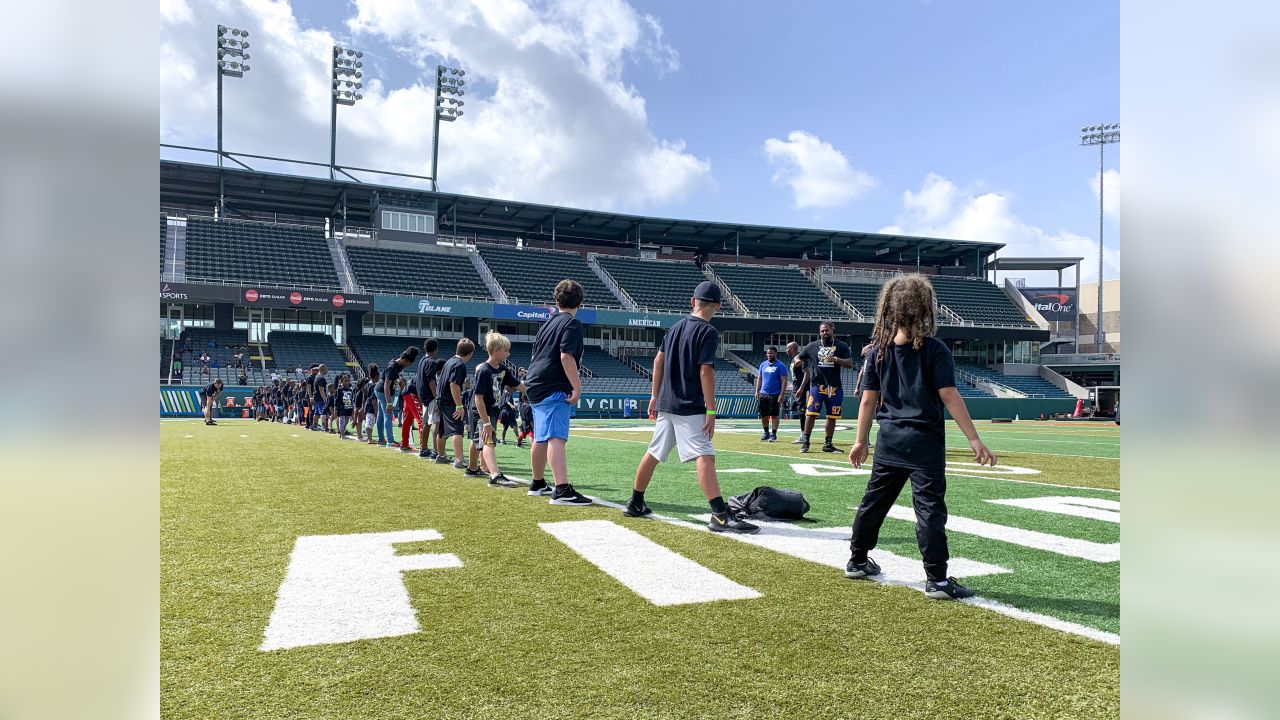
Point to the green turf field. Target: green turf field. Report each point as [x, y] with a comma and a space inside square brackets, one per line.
[527, 627]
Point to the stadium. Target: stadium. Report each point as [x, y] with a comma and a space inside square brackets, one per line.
[304, 576]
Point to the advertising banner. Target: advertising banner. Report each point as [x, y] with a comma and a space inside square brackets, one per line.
[1053, 303]
[255, 296]
[629, 319]
[430, 306]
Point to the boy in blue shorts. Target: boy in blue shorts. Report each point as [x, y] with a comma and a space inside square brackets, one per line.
[552, 387]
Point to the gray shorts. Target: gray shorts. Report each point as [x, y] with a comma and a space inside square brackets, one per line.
[683, 432]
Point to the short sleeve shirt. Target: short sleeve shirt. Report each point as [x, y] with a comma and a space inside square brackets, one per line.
[820, 359]
[561, 334]
[688, 345]
[771, 377]
[910, 411]
[491, 383]
[454, 371]
[427, 369]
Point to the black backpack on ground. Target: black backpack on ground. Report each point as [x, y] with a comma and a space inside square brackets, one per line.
[781, 504]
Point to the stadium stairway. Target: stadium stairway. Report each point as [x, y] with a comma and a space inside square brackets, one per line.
[491, 282]
[342, 266]
[608, 282]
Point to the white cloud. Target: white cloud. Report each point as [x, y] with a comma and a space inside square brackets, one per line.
[1111, 200]
[818, 174]
[548, 116]
[941, 209]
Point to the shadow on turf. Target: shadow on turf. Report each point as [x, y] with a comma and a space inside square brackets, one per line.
[1094, 608]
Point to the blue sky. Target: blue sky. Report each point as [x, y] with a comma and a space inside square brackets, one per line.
[667, 108]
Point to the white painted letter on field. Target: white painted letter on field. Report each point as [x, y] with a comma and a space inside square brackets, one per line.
[341, 588]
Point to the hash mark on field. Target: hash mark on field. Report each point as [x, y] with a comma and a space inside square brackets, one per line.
[741, 470]
[1071, 547]
[653, 572]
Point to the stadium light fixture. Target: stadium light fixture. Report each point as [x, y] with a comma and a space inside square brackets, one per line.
[448, 82]
[236, 46]
[1102, 136]
[346, 73]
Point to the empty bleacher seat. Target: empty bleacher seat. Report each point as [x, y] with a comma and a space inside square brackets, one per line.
[862, 295]
[978, 301]
[663, 285]
[417, 272]
[777, 291]
[254, 252]
[1031, 385]
[529, 276]
[301, 349]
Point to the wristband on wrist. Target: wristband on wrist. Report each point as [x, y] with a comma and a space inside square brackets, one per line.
[711, 412]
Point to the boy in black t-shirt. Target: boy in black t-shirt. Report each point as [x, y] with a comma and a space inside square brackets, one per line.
[493, 379]
[908, 378]
[428, 367]
[451, 382]
[357, 407]
[683, 404]
[390, 387]
[553, 388]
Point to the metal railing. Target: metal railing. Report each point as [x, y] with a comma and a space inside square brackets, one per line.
[980, 381]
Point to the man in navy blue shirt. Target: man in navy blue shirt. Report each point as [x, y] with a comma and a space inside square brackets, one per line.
[683, 406]
[769, 383]
[428, 367]
[209, 399]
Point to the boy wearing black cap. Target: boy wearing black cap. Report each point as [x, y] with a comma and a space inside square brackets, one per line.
[683, 406]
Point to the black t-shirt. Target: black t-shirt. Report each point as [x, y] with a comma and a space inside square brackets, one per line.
[491, 383]
[318, 385]
[391, 374]
[357, 400]
[344, 399]
[818, 359]
[797, 371]
[561, 334]
[210, 390]
[428, 367]
[454, 371]
[688, 345]
[910, 411]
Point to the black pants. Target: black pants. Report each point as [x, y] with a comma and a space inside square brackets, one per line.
[927, 490]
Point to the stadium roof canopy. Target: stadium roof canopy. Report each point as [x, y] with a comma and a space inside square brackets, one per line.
[1034, 263]
[252, 194]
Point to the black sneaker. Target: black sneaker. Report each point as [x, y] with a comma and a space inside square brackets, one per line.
[804, 446]
[443, 460]
[951, 590]
[477, 472]
[729, 523]
[459, 465]
[501, 481]
[828, 447]
[540, 487]
[764, 437]
[633, 510]
[866, 568]
[566, 495]
[210, 422]
[773, 437]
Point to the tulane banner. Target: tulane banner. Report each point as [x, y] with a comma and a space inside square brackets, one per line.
[1053, 303]
[431, 306]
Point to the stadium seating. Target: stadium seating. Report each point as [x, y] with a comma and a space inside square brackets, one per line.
[164, 231]
[656, 285]
[380, 349]
[254, 252]
[1032, 385]
[776, 291]
[226, 344]
[529, 276]
[300, 349]
[978, 301]
[412, 271]
[862, 295]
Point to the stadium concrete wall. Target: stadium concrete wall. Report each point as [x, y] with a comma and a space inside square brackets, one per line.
[182, 401]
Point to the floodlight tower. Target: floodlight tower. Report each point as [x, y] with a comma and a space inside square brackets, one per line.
[346, 85]
[1102, 136]
[235, 46]
[448, 82]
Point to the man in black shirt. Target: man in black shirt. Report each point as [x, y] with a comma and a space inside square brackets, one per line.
[428, 366]
[209, 399]
[493, 378]
[553, 388]
[683, 404]
[344, 405]
[450, 383]
[824, 359]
